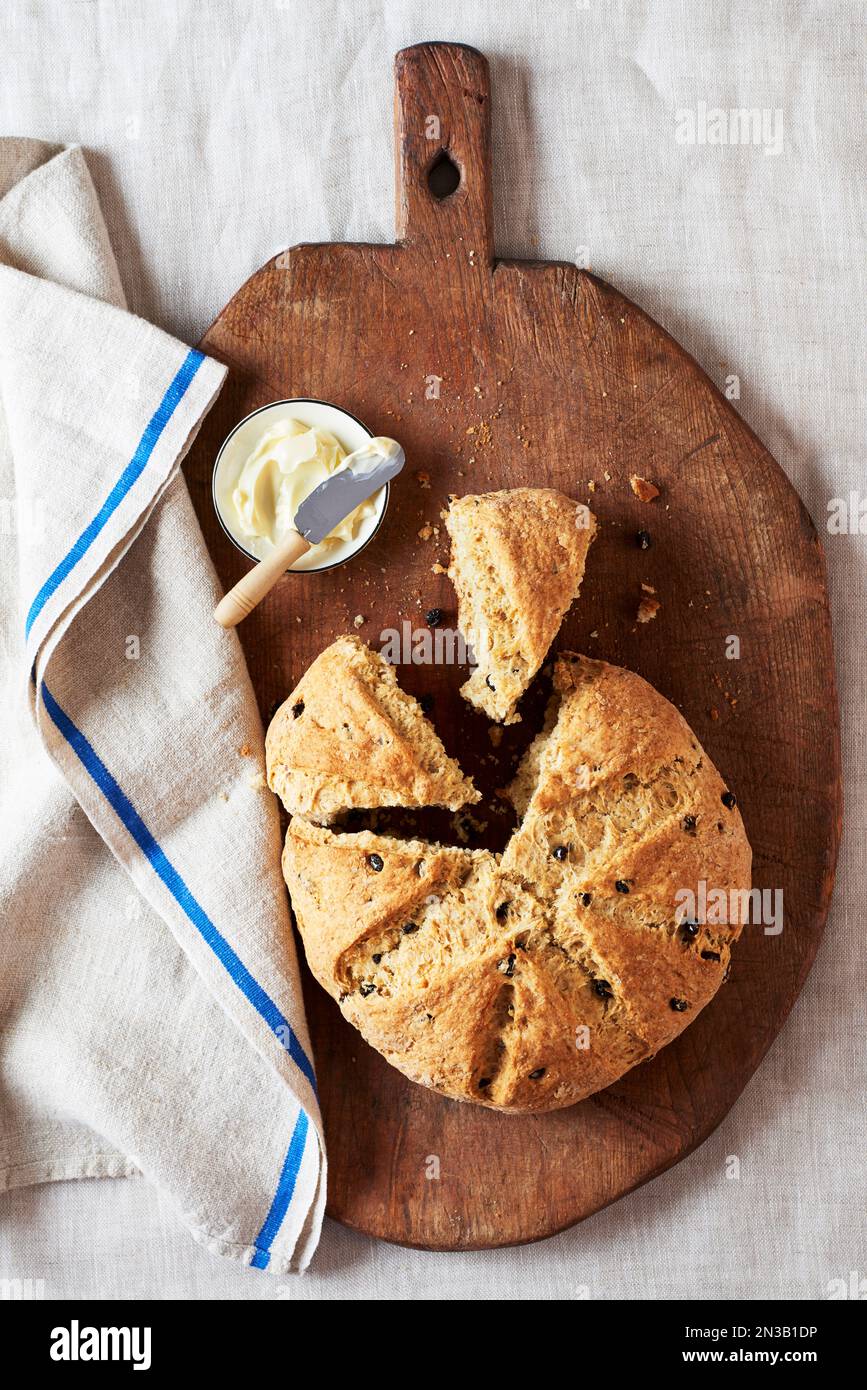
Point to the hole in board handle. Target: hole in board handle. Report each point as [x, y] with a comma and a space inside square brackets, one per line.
[443, 177]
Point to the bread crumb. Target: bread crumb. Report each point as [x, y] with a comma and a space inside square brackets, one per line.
[257, 782]
[463, 823]
[425, 533]
[423, 479]
[438, 568]
[644, 490]
[482, 434]
[359, 620]
[244, 751]
[648, 588]
[648, 609]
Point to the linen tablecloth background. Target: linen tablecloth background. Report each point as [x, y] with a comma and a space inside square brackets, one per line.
[217, 133]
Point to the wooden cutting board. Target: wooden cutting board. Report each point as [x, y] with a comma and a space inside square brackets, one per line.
[497, 374]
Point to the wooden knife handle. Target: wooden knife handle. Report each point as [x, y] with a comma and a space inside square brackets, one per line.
[259, 581]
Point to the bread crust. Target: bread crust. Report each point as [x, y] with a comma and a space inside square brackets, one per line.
[530, 980]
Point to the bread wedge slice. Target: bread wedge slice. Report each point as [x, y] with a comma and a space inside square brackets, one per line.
[349, 738]
[517, 564]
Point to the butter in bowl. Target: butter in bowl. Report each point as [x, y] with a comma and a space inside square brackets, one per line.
[299, 485]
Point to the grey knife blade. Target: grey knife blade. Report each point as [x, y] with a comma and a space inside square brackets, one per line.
[369, 469]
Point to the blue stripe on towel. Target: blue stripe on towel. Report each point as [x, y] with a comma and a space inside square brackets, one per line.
[121, 804]
[130, 474]
[283, 1195]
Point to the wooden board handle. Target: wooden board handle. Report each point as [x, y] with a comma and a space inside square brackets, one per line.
[443, 111]
[259, 581]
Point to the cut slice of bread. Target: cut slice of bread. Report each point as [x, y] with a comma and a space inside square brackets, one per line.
[517, 564]
[358, 896]
[349, 738]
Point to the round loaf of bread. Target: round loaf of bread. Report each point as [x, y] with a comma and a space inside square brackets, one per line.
[528, 981]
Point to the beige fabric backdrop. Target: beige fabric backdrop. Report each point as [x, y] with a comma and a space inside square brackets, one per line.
[217, 133]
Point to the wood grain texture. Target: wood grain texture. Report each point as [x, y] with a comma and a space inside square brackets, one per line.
[546, 376]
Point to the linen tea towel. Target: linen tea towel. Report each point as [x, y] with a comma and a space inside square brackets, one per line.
[151, 1018]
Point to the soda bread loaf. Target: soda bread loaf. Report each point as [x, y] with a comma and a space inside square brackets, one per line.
[517, 564]
[349, 737]
[528, 981]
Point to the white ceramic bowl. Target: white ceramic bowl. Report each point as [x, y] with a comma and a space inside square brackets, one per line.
[238, 446]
